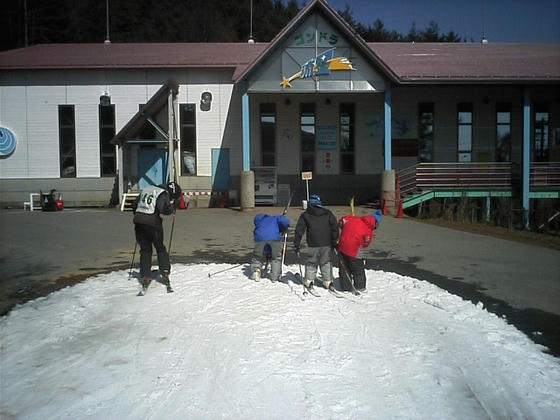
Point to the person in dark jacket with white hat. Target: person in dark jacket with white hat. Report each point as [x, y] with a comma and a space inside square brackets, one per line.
[321, 234]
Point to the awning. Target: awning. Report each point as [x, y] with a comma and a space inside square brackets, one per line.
[154, 105]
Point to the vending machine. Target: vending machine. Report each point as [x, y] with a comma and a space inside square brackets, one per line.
[265, 185]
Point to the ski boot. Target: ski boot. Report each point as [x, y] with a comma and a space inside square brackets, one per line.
[165, 278]
[256, 275]
[144, 283]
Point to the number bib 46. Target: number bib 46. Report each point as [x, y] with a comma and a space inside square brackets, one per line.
[148, 198]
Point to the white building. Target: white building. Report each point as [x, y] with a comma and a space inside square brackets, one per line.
[317, 98]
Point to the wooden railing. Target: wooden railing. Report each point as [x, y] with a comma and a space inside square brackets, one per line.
[544, 175]
[456, 176]
[469, 176]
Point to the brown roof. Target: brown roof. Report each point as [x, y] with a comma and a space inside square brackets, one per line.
[470, 62]
[140, 55]
[410, 62]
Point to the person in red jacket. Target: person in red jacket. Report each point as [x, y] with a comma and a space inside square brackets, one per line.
[356, 234]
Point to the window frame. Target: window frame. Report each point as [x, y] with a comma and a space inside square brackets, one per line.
[307, 110]
[503, 152]
[423, 140]
[185, 126]
[464, 108]
[347, 154]
[541, 134]
[268, 156]
[106, 141]
[70, 130]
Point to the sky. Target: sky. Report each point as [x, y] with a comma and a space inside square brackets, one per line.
[224, 346]
[504, 20]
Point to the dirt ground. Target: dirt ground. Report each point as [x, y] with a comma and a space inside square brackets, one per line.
[526, 236]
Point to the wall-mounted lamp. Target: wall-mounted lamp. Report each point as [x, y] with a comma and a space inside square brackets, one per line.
[105, 99]
[328, 101]
[287, 101]
[205, 101]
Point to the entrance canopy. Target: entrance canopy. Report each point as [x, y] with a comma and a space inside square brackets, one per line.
[148, 112]
[133, 131]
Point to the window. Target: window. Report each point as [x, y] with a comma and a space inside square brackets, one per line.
[426, 132]
[106, 133]
[307, 131]
[464, 133]
[347, 121]
[268, 134]
[541, 146]
[503, 132]
[67, 141]
[187, 114]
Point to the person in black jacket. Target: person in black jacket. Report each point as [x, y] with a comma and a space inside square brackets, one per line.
[321, 231]
[148, 207]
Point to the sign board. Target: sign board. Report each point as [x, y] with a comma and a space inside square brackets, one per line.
[306, 175]
[326, 137]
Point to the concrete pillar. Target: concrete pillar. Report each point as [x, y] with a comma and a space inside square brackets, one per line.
[388, 191]
[247, 198]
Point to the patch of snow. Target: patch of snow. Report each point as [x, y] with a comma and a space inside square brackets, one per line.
[226, 346]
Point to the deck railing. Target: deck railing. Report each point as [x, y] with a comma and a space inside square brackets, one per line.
[470, 176]
[544, 175]
[456, 176]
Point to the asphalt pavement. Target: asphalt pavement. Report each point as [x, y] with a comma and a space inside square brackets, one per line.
[43, 251]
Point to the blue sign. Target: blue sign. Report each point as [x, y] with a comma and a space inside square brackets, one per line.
[326, 137]
[7, 142]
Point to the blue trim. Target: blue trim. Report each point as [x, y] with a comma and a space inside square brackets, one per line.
[246, 131]
[526, 153]
[387, 124]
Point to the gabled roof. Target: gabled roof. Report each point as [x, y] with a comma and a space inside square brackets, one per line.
[470, 62]
[152, 107]
[335, 19]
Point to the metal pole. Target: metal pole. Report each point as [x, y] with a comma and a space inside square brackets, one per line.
[171, 234]
[107, 19]
[224, 270]
[132, 262]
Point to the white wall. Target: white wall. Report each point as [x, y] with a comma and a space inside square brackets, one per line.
[29, 108]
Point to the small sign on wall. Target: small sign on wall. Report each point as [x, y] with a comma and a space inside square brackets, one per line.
[328, 165]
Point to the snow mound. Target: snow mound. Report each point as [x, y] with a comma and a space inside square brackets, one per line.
[226, 346]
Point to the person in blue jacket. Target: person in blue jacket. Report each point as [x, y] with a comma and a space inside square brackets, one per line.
[268, 234]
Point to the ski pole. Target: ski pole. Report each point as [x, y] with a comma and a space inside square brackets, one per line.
[283, 253]
[171, 234]
[132, 262]
[301, 275]
[226, 269]
[346, 272]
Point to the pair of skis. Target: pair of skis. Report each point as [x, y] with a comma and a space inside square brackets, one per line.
[144, 288]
